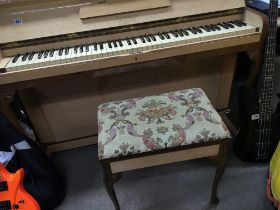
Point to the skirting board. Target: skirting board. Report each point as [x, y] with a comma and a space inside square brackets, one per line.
[53, 148]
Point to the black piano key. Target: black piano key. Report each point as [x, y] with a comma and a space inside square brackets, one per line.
[142, 40]
[185, 32]
[180, 33]
[235, 23]
[45, 54]
[217, 27]
[153, 38]
[51, 53]
[30, 57]
[101, 46]
[224, 26]
[87, 48]
[81, 49]
[95, 46]
[115, 44]
[192, 30]
[206, 28]
[240, 23]
[60, 51]
[212, 28]
[66, 51]
[40, 54]
[148, 38]
[110, 44]
[120, 43]
[196, 30]
[199, 30]
[76, 49]
[128, 41]
[166, 35]
[24, 57]
[243, 23]
[230, 25]
[134, 41]
[15, 58]
[174, 34]
[161, 36]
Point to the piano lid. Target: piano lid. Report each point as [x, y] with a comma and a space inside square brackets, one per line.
[40, 20]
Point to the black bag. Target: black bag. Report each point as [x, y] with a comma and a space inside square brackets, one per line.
[42, 179]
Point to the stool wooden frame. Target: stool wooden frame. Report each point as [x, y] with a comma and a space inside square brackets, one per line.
[114, 167]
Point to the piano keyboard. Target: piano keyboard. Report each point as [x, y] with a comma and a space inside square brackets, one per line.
[128, 46]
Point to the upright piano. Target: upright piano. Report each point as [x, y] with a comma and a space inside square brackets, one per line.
[64, 57]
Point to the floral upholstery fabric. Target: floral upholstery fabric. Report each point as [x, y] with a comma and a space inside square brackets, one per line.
[155, 122]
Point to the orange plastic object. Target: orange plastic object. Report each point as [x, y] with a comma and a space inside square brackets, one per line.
[16, 194]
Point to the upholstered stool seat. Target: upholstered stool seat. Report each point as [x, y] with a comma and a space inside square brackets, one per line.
[157, 130]
[156, 122]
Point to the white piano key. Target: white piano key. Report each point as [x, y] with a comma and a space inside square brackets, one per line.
[139, 45]
[115, 49]
[79, 55]
[246, 29]
[57, 58]
[153, 42]
[52, 59]
[119, 49]
[84, 54]
[208, 35]
[68, 58]
[11, 66]
[192, 38]
[124, 47]
[35, 61]
[162, 42]
[181, 39]
[231, 32]
[23, 64]
[29, 62]
[89, 53]
[149, 45]
[99, 51]
[171, 41]
[129, 47]
[134, 46]
[47, 60]
[109, 50]
[92, 54]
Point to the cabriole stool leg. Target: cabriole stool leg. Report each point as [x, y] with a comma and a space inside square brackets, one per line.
[221, 165]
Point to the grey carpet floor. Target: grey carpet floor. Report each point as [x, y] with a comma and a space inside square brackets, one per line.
[179, 186]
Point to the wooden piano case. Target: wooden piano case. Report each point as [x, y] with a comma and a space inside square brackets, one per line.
[62, 107]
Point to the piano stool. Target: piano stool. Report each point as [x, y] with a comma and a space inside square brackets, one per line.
[157, 130]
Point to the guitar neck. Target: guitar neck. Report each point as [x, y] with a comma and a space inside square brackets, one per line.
[269, 64]
[264, 141]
